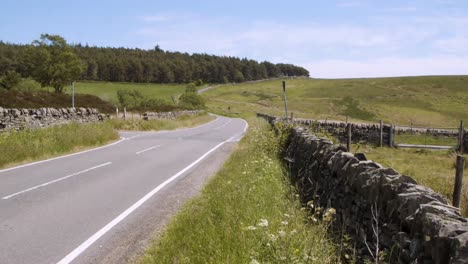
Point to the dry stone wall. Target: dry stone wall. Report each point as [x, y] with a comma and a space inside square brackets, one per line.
[169, 115]
[377, 206]
[18, 119]
[368, 133]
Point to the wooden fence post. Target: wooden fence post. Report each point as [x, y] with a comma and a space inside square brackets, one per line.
[116, 113]
[390, 136]
[348, 141]
[381, 133]
[457, 190]
[461, 137]
[292, 117]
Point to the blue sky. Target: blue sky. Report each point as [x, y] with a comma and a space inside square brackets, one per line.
[332, 39]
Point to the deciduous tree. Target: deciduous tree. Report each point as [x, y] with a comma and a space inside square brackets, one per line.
[52, 62]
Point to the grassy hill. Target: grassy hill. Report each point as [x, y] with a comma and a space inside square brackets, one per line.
[101, 95]
[423, 101]
[108, 90]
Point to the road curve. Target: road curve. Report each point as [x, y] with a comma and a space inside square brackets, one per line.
[62, 210]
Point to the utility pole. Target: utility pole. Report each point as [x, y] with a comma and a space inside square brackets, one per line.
[284, 98]
[73, 94]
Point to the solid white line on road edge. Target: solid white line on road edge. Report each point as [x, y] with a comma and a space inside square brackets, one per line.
[238, 137]
[81, 248]
[246, 126]
[60, 179]
[141, 151]
[61, 157]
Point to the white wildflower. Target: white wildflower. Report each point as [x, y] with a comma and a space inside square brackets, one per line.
[293, 232]
[286, 215]
[254, 261]
[284, 222]
[263, 223]
[281, 233]
[273, 237]
[250, 228]
[283, 258]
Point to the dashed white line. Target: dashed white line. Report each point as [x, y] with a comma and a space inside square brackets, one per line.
[141, 151]
[81, 248]
[65, 156]
[54, 181]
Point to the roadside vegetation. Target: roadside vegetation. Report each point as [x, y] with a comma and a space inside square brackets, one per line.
[29, 145]
[248, 213]
[184, 121]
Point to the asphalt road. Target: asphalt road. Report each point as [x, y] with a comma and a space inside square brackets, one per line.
[87, 207]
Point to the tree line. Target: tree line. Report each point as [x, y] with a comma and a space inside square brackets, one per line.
[150, 66]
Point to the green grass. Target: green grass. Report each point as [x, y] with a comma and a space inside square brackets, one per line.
[434, 169]
[227, 223]
[436, 101]
[29, 145]
[426, 140]
[155, 125]
[108, 90]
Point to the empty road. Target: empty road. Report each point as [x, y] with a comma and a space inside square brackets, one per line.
[95, 206]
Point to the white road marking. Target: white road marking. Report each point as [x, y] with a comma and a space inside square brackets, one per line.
[112, 144]
[141, 151]
[238, 137]
[81, 248]
[65, 156]
[54, 181]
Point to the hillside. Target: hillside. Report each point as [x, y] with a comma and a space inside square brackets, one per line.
[422, 101]
[38, 99]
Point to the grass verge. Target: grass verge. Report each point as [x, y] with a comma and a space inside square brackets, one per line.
[426, 140]
[248, 213]
[28, 145]
[432, 168]
[148, 125]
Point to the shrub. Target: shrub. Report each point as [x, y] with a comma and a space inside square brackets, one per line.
[10, 80]
[190, 99]
[129, 98]
[27, 85]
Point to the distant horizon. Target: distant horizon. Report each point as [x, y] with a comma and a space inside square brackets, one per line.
[331, 39]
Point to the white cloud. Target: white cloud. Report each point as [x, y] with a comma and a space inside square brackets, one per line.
[385, 67]
[157, 18]
[385, 48]
[346, 4]
[400, 9]
[457, 44]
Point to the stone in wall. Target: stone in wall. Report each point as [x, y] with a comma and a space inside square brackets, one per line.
[18, 119]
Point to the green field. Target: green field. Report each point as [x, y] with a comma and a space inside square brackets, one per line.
[108, 90]
[435, 101]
